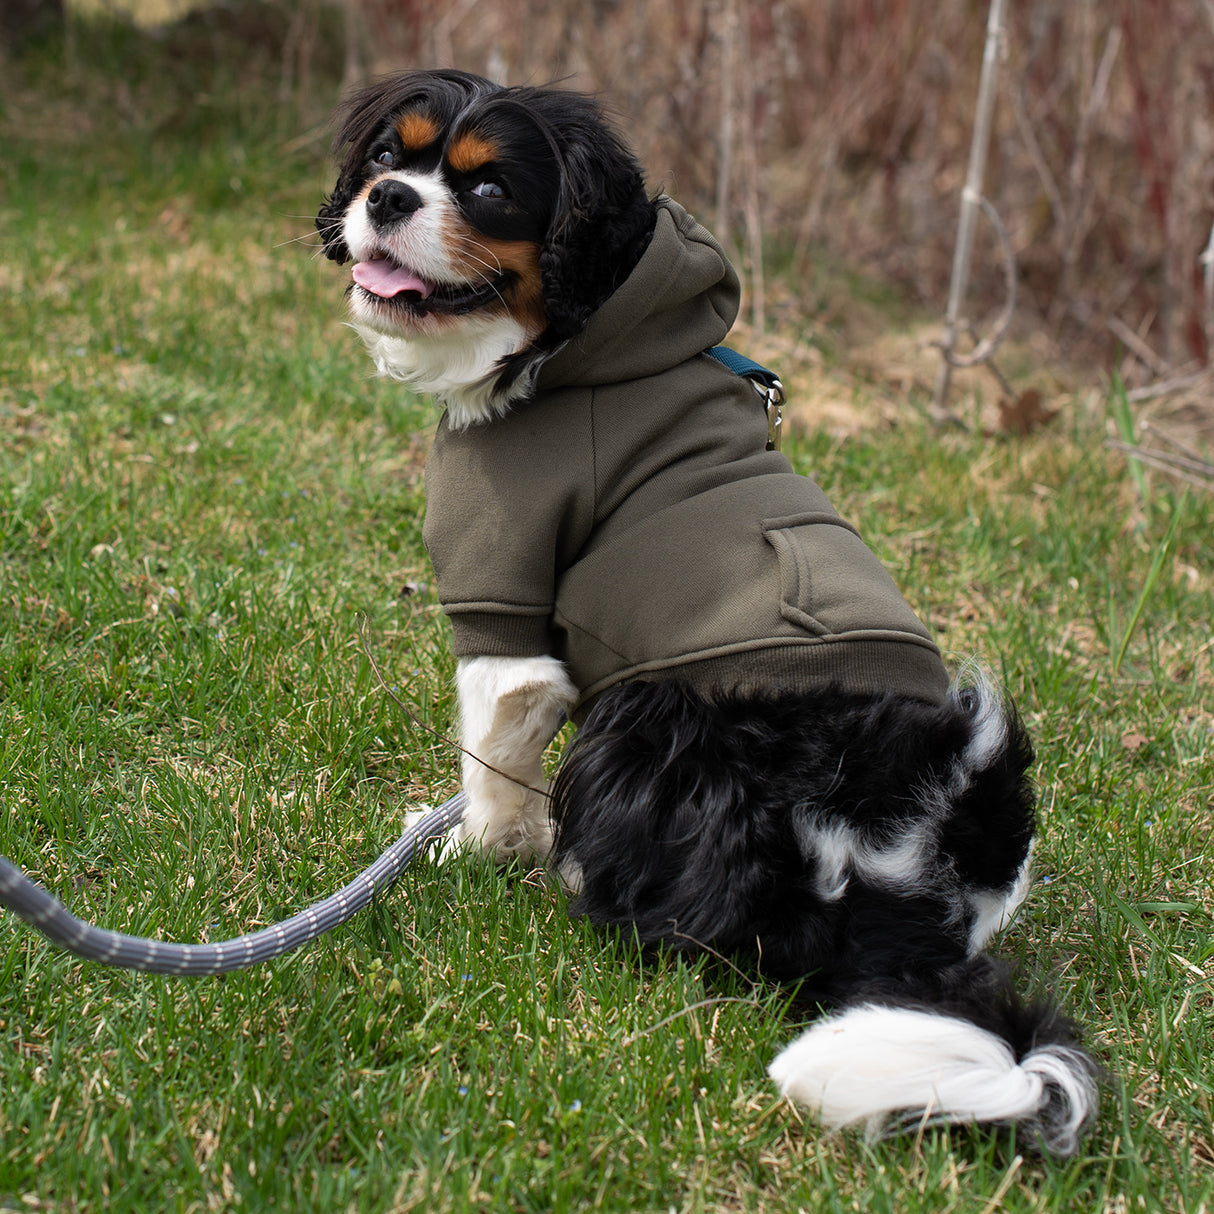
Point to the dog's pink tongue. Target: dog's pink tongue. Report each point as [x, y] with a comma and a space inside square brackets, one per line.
[385, 278]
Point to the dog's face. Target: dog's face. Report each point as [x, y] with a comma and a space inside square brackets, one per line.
[446, 213]
[480, 219]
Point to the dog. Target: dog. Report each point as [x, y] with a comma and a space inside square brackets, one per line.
[771, 762]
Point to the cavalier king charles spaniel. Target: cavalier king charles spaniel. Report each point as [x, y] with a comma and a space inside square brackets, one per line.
[771, 762]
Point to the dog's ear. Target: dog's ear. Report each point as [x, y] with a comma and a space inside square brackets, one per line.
[329, 221]
[602, 223]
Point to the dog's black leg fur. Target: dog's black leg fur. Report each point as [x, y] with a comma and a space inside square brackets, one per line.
[717, 824]
[857, 844]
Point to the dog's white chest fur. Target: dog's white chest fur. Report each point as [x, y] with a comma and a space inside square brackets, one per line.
[459, 369]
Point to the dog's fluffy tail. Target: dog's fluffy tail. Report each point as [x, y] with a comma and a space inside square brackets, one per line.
[868, 848]
[967, 1051]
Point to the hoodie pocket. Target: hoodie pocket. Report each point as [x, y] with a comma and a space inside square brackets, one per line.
[830, 583]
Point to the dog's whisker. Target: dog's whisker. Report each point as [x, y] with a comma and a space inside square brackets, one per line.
[495, 265]
[308, 240]
[492, 270]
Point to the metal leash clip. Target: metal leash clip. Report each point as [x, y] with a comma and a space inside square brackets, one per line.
[765, 382]
[773, 401]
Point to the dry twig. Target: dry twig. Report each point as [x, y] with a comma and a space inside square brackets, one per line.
[1197, 472]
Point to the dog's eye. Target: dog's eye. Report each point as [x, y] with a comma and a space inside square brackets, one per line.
[490, 189]
[387, 158]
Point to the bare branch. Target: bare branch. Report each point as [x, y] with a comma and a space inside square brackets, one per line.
[1193, 472]
[971, 198]
[1137, 346]
[986, 348]
[1164, 387]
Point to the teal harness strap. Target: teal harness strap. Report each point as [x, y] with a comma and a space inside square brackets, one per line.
[766, 383]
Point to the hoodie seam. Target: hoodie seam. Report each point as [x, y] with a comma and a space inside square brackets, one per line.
[594, 461]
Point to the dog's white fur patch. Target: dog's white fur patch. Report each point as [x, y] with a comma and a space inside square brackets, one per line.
[831, 849]
[994, 909]
[877, 1066]
[509, 710]
[458, 367]
[990, 723]
[838, 850]
[988, 735]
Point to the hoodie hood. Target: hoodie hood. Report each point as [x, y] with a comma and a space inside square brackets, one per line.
[681, 298]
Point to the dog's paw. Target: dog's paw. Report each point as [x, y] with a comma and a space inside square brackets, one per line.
[569, 872]
[505, 822]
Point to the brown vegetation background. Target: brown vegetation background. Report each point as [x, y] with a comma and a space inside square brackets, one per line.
[842, 127]
[825, 134]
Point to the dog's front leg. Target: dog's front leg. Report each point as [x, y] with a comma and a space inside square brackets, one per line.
[509, 710]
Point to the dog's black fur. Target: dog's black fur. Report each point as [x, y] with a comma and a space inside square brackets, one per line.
[681, 816]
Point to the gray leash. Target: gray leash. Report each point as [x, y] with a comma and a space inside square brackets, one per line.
[45, 912]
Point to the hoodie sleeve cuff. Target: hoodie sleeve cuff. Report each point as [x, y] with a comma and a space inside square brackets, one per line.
[490, 634]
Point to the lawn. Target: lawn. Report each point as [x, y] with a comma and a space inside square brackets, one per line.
[203, 493]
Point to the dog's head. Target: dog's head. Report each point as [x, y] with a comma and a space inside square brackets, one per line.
[486, 225]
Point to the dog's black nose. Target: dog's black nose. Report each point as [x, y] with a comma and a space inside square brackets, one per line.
[388, 201]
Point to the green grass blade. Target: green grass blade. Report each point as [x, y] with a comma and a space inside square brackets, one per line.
[1162, 551]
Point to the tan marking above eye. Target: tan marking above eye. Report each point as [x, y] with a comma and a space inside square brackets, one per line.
[416, 131]
[469, 152]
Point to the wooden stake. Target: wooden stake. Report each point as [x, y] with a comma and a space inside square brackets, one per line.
[970, 201]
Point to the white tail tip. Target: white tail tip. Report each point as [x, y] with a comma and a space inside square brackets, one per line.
[884, 1067]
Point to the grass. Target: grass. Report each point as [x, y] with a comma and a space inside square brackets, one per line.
[202, 492]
